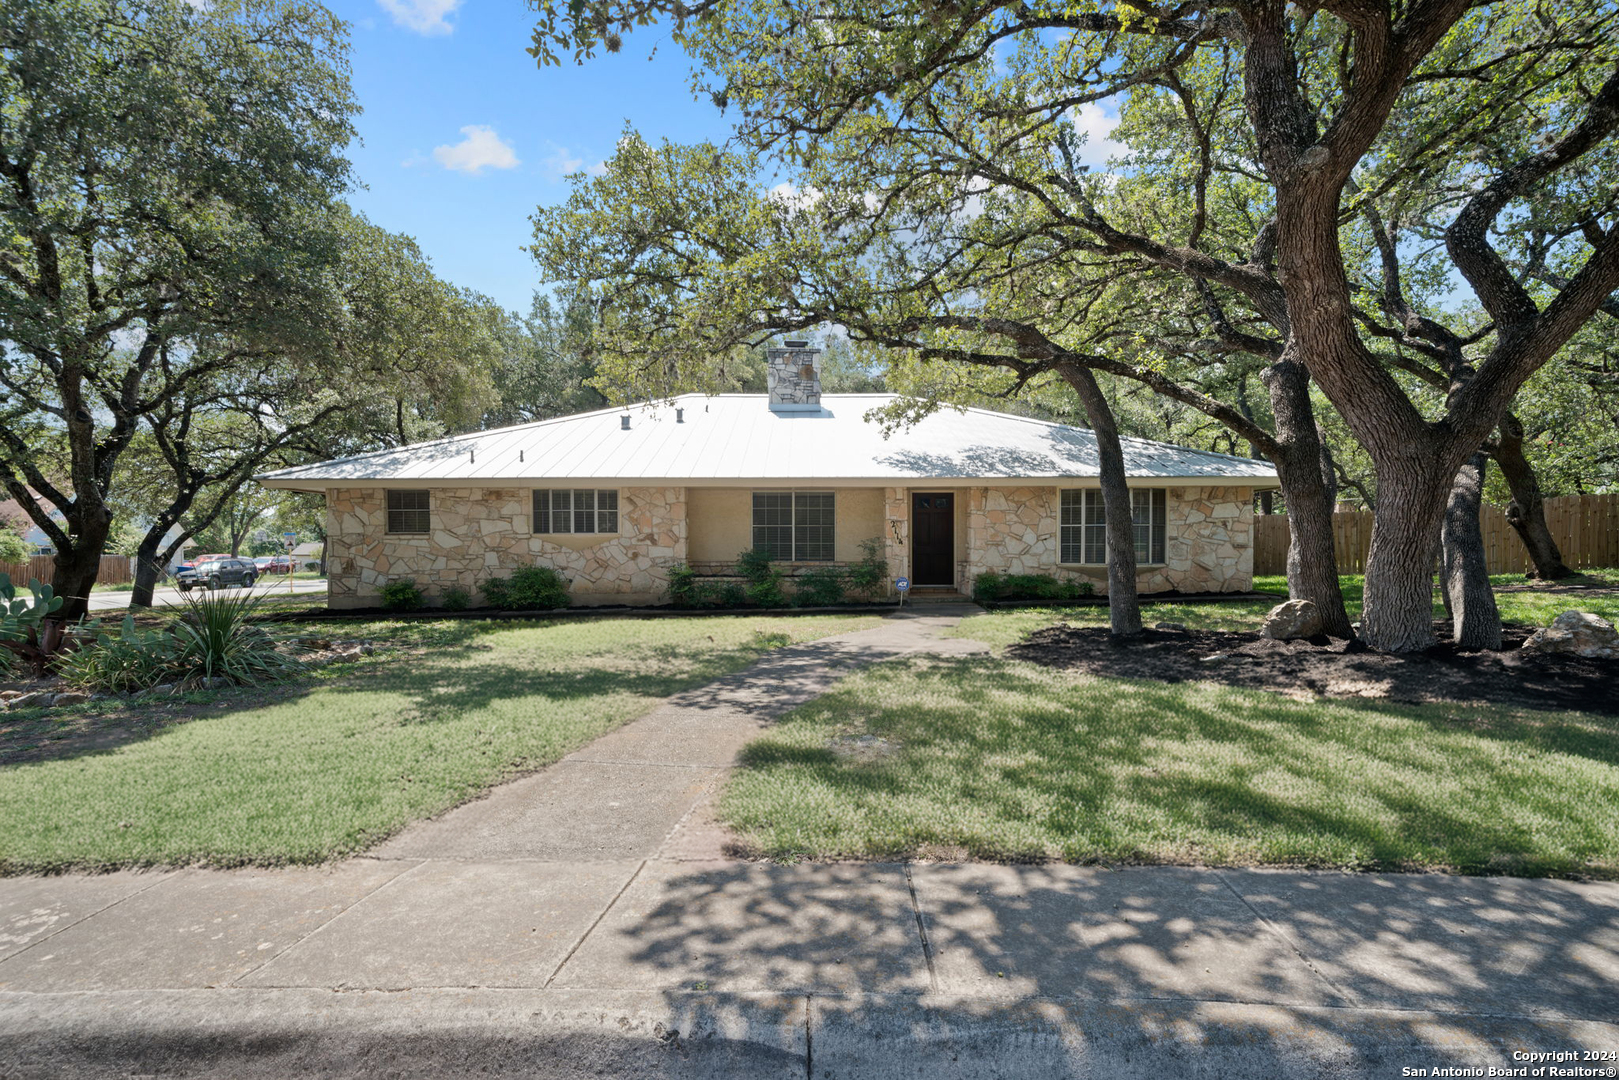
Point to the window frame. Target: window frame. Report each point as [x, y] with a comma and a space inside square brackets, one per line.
[602, 513]
[802, 506]
[426, 510]
[1082, 526]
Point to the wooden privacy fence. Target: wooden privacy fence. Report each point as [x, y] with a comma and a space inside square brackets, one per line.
[115, 570]
[1586, 528]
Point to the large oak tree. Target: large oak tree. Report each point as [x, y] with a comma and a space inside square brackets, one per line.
[167, 173]
[1286, 142]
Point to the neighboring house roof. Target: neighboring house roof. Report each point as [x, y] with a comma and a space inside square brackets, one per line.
[307, 550]
[735, 439]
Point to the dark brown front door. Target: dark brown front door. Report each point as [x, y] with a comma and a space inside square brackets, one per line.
[933, 539]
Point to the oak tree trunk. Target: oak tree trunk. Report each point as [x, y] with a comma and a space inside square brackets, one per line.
[148, 568]
[1475, 620]
[1411, 501]
[1312, 562]
[1527, 512]
[77, 568]
[1123, 606]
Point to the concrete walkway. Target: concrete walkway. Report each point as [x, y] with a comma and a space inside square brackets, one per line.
[584, 922]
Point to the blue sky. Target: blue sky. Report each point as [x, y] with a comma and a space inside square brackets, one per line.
[463, 135]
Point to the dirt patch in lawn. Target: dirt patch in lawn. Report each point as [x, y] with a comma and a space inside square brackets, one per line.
[1329, 667]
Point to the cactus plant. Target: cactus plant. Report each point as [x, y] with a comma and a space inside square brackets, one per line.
[26, 626]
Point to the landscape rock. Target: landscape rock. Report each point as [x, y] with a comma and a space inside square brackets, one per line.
[70, 697]
[1293, 619]
[160, 688]
[34, 700]
[1578, 633]
[218, 682]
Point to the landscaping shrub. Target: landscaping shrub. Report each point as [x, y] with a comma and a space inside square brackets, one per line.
[217, 639]
[822, 586]
[867, 576]
[991, 586]
[763, 579]
[683, 586]
[124, 661]
[456, 599]
[533, 588]
[401, 594]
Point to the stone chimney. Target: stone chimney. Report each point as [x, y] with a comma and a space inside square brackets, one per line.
[793, 373]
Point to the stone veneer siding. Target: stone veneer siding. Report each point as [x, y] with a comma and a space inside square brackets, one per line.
[1208, 538]
[479, 533]
[484, 532]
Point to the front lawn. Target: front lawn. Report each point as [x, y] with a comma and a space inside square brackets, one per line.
[1529, 603]
[991, 758]
[336, 762]
[995, 758]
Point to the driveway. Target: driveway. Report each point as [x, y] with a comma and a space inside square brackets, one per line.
[110, 599]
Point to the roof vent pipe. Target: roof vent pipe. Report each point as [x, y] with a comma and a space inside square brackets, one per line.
[680, 415]
[624, 422]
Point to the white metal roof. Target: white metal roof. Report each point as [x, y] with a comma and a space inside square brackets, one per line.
[734, 439]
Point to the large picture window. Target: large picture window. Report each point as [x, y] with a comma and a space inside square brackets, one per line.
[794, 526]
[577, 510]
[1084, 525]
[408, 513]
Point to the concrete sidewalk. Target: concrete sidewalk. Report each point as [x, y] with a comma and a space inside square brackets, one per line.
[525, 936]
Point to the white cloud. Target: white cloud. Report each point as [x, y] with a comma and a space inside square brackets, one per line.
[795, 199]
[481, 149]
[561, 161]
[1093, 121]
[422, 16]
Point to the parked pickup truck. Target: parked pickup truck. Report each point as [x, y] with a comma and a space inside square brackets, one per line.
[216, 574]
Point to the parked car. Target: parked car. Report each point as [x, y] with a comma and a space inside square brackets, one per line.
[196, 561]
[274, 564]
[216, 574]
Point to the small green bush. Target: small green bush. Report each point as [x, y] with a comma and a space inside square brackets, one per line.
[822, 586]
[533, 588]
[867, 576]
[401, 594]
[684, 586]
[124, 661]
[763, 577]
[456, 599]
[991, 586]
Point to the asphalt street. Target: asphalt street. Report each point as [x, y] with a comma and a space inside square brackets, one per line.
[111, 599]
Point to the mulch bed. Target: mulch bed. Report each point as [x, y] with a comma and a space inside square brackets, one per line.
[1330, 667]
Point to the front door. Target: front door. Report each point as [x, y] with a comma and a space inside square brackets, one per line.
[933, 538]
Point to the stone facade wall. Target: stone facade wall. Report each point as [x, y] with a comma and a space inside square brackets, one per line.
[485, 532]
[479, 533]
[1208, 538]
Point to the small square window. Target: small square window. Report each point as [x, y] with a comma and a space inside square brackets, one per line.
[408, 512]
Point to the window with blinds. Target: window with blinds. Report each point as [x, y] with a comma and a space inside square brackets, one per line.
[795, 526]
[1083, 525]
[408, 512]
[575, 510]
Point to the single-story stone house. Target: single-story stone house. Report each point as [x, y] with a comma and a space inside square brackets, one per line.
[614, 499]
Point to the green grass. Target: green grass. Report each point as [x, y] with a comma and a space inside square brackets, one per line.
[1528, 606]
[349, 758]
[990, 758]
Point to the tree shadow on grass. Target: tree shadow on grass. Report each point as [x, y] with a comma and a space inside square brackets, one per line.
[1004, 761]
